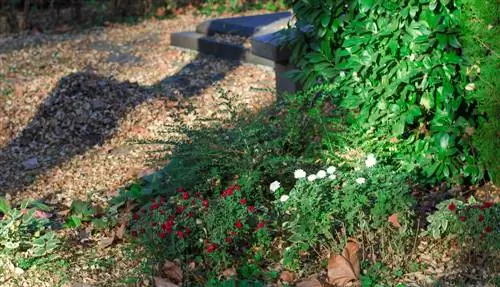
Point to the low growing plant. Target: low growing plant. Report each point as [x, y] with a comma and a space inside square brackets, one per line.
[216, 233]
[326, 207]
[25, 233]
[473, 223]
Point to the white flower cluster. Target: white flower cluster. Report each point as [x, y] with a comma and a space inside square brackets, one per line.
[299, 173]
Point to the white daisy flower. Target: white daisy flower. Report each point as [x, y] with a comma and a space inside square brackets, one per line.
[299, 173]
[360, 180]
[331, 169]
[321, 174]
[284, 198]
[370, 160]
[311, 177]
[470, 87]
[274, 186]
[198, 221]
[332, 176]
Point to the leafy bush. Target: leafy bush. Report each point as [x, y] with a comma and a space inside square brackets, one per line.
[216, 233]
[472, 222]
[325, 208]
[397, 67]
[25, 233]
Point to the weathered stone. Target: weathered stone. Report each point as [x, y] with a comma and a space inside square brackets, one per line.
[31, 163]
[268, 46]
[245, 26]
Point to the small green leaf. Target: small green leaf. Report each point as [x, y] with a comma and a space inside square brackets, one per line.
[4, 206]
[325, 19]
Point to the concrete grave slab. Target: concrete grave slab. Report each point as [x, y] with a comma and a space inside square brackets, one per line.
[268, 46]
[202, 44]
[245, 26]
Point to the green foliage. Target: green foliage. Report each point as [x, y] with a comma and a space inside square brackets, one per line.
[25, 235]
[323, 210]
[396, 66]
[472, 222]
[481, 47]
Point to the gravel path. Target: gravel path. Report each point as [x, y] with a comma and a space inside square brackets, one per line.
[70, 104]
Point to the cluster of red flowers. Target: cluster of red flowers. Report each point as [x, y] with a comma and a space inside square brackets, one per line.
[167, 227]
[485, 205]
[230, 190]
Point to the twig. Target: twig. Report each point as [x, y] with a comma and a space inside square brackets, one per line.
[415, 241]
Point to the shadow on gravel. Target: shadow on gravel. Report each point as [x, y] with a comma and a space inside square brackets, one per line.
[83, 111]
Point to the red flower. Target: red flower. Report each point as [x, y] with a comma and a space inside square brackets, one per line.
[198, 194]
[162, 211]
[251, 208]
[487, 229]
[187, 230]
[180, 209]
[162, 199]
[243, 201]
[228, 192]
[228, 239]
[167, 226]
[180, 189]
[193, 202]
[205, 203]
[211, 247]
[162, 235]
[452, 207]
[462, 218]
[185, 195]
[238, 224]
[190, 214]
[153, 206]
[135, 216]
[481, 217]
[237, 187]
[171, 217]
[180, 234]
[134, 233]
[487, 204]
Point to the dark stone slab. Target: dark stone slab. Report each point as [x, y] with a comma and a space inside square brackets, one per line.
[245, 26]
[268, 46]
[199, 42]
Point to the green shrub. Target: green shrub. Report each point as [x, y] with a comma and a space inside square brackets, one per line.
[326, 207]
[397, 67]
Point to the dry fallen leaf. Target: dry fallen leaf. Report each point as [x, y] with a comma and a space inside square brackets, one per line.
[172, 272]
[229, 272]
[288, 276]
[160, 282]
[345, 268]
[309, 282]
[393, 219]
[106, 241]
